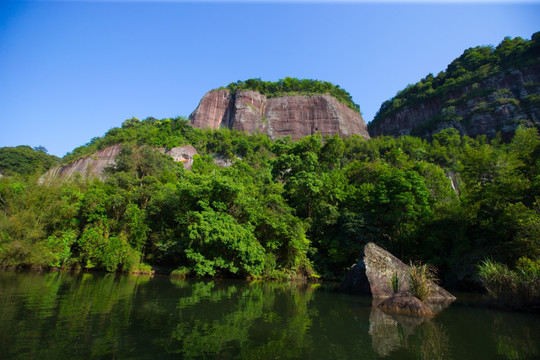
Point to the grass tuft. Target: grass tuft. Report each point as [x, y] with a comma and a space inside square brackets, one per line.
[421, 277]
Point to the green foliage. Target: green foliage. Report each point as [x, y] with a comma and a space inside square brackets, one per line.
[25, 160]
[280, 209]
[294, 86]
[518, 288]
[218, 242]
[395, 282]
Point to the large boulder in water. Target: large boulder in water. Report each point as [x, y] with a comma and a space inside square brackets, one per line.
[404, 303]
[372, 274]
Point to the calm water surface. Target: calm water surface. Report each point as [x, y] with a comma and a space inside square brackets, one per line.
[107, 316]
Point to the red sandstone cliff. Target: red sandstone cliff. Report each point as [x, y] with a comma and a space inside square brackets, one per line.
[501, 104]
[296, 116]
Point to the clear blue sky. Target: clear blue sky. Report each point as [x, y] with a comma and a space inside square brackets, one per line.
[71, 70]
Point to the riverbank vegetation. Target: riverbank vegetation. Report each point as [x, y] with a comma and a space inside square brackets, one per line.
[517, 288]
[284, 208]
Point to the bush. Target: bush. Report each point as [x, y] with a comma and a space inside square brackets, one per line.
[514, 289]
[180, 273]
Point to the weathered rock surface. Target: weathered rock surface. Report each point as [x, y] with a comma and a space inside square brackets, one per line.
[404, 303]
[296, 116]
[90, 166]
[371, 275]
[183, 154]
[94, 166]
[501, 104]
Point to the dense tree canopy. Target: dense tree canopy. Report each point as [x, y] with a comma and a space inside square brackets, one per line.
[25, 160]
[283, 208]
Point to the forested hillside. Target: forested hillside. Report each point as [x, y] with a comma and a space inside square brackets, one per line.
[283, 209]
[25, 160]
[485, 90]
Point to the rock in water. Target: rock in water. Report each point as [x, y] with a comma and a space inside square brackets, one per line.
[406, 304]
[372, 274]
[296, 115]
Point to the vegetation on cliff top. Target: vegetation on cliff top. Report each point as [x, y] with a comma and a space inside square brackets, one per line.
[284, 208]
[473, 66]
[293, 86]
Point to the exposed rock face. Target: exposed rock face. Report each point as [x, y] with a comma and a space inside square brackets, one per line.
[498, 103]
[214, 109]
[183, 154]
[95, 165]
[296, 116]
[90, 166]
[405, 303]
[371, 275]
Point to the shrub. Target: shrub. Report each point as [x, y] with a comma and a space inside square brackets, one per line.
[180, 273]
[515, 289]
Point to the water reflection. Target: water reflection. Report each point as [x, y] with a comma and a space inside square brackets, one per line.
[253, 321]
[58, 315]
[390, 332]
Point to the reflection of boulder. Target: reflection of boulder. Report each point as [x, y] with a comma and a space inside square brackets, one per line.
[423, 335]
[374, 269]
[390, 332]
[404, 303]
[385, 333]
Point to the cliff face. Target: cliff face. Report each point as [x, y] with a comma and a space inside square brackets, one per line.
[297, 116]
[498, 103]
[94, 166]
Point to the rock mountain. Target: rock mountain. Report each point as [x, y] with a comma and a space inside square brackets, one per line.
[498, 103]
[484, 91]
[294, 115]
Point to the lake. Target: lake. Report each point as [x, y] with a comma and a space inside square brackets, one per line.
[110, 316]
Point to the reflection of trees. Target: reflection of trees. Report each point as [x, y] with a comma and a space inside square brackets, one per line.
[50, 316]
[60, 313]
[254, 320]
[515, 341]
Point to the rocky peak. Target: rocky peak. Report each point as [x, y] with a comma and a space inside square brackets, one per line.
[296, 116]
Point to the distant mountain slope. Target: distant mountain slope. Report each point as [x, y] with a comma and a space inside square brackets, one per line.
[289, 107]
[484, 91]
[25, 160]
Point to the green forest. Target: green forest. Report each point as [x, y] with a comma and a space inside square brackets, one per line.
[472, 67]
[25, 160]
[284, 209]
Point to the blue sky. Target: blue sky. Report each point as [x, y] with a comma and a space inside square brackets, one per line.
[71, 70]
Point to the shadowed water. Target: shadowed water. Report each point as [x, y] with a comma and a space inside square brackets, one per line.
[108, 316]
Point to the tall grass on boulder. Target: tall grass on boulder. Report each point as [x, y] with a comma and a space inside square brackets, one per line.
[420, 278]
[513, 289]
[395, 282]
